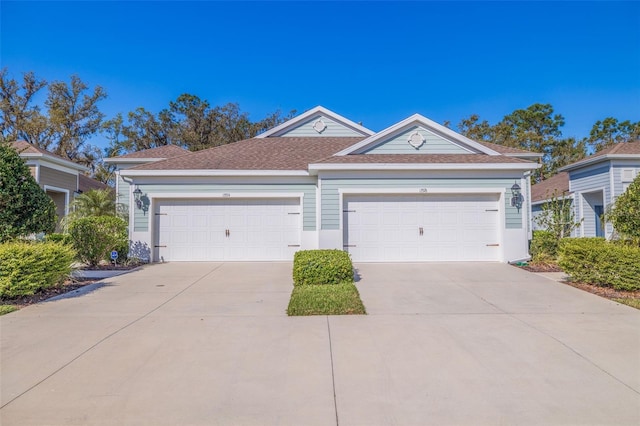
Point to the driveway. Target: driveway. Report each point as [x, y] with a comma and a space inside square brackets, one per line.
[209, 343]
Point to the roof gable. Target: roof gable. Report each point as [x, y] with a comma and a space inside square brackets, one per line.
[318, 122]
[619, 151]
[417, 140]
[417, 121]
[30, 151]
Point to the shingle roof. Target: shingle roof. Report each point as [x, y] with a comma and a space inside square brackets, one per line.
[620, 148]
[85, 183]
[545, 189]
[623, 149]
[24, 147]
[273, 153]
[167, 151]
[502, 149]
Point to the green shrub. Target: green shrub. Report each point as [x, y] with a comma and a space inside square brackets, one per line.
[596, 261]
[544, 246]
[338, 299]
[26, 267]
[58, 238]
[95, 237]
[322, 267]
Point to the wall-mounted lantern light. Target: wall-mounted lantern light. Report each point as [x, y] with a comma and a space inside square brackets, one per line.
[516, 197]
[141, 200]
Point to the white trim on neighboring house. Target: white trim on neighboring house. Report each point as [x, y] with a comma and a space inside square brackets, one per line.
[419, 120]
[44, 162]
[611, 184]
[212, 172]
[319, 110]
[62, 190]
[422, 166]
[65, 165]
[597, 159]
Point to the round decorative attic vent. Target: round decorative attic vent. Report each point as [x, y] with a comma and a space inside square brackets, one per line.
[416, 139]
[319, 126]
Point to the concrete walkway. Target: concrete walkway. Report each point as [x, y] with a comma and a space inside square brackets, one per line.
[209, 343]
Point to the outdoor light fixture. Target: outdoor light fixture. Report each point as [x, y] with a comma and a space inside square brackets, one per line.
[516, 197]
[140, 200]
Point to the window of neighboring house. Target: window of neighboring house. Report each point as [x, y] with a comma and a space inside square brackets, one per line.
[627, 177]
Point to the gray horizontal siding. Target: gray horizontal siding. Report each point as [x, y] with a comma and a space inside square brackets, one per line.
[331, 204]
[433, 145]
[587, 181]
[59, 179]
[334, 129]
[141, 221]
[618, 181]
[123, 193]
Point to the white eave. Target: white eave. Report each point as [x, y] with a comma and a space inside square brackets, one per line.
[309, 114]
[55, 160]
[599, 158]
[429, 125]
[214, 172]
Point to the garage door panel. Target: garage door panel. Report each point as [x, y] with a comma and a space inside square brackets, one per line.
[221, 229]
[454, 227]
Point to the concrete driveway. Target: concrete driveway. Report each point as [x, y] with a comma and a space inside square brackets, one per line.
[209, 343]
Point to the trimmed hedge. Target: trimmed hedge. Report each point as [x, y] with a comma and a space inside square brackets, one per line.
[26, 267]
[337, 299]
[58, 238]
[596, 261]
[94, 238]
[544, 246]
[312, 267]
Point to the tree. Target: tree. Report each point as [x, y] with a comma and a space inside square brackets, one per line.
[625, 213]
[24, 207]
[20, 119]
[563, 152]
[558, 216]
[74, 117]
[189, 122]
[610, 131]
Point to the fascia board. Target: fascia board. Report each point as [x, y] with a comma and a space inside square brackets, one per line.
[134, 172]
[599, 158]
[54, 160]
[417, 119]
[527, 155]
[424, 166]
[317, 110]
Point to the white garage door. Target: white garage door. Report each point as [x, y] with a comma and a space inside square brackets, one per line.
[225, 229]
[393, 228]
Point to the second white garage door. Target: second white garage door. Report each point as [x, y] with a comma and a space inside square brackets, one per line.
[226, 229]
[396, 228]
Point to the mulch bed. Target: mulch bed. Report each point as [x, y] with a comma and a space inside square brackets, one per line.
[606, 292]
[43, 295]
[65, 287]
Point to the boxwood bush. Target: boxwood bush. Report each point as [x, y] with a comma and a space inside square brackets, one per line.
[322, 267]
[26, 267]
[94, 238]
[544, 246]
[596, 261]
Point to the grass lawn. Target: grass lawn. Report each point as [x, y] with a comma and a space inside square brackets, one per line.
[634, 303]
[329, 299]
[5, 309]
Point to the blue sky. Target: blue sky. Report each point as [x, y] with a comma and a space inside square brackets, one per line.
[375, 62]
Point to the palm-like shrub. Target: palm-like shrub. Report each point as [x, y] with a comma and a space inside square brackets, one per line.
[93, 203]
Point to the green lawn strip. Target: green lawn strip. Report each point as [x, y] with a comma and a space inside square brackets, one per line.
[329, 299]
[5, 309]
[634, 303]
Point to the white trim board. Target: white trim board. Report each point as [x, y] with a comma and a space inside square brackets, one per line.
[423, 166]
[210, 172]
[60, 190]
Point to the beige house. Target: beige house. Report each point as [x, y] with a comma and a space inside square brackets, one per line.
[60, 178]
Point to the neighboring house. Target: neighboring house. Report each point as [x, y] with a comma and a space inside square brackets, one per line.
[416, 191]
[592, 184]
[60, 178]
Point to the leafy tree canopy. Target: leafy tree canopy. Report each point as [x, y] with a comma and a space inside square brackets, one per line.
[625, 214]
[24, 207]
